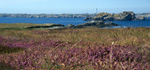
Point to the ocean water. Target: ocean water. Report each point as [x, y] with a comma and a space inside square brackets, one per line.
[125, 24]
[64, 21]
[74, 21]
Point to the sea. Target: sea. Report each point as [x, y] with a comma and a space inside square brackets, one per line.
[74, 21]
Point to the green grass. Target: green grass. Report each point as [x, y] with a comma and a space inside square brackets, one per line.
[21, 25]
[4, 66]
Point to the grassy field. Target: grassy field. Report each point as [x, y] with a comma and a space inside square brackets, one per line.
[74, 49]
[21, 25]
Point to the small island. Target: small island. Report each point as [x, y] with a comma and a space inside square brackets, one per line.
[125, 16]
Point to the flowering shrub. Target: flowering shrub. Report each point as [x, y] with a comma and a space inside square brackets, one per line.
[111, 57]
[78, 49]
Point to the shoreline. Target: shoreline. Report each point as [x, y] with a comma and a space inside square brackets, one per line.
[52, 26]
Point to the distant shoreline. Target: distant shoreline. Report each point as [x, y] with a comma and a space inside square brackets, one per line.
[47, 15]
[58, 15]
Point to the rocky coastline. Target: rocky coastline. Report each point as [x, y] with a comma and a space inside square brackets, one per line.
[97, 24]
[125, 16]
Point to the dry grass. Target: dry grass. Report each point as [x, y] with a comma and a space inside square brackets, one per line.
[21, 25]
[43, 48]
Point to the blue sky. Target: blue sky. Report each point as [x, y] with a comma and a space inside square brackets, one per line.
[73, 6]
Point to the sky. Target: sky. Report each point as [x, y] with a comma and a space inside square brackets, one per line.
[73, 6]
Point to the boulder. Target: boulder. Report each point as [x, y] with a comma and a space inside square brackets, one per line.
[70, 26]
[88, 19]
[109, 18]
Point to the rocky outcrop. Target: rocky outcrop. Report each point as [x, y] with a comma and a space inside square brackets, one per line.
[88, 19]
[97, 24]
[125, 16]
[103, 16]
[140, 18]
[46, 26]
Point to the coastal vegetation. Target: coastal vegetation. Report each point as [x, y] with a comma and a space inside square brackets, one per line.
[74, 49]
